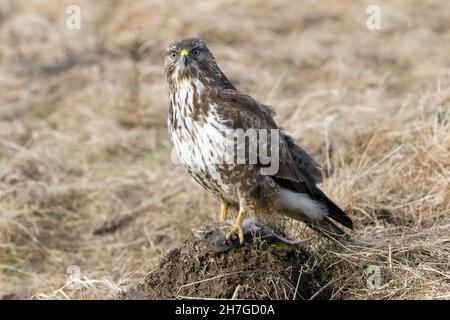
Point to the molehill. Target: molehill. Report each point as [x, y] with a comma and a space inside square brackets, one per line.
[256, 270]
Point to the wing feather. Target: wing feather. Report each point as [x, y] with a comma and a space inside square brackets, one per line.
[244, 112]
[297, 169]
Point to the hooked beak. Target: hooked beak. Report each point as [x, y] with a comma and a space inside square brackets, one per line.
[184, 57]
[185, 61]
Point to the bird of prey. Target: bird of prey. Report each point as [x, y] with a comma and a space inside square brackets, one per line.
[204, 108]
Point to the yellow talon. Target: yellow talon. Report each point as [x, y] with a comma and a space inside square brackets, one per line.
[237, 228]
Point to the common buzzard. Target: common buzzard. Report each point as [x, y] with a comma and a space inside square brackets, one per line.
[204, 108]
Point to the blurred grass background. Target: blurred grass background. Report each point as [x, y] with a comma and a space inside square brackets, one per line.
[86, 176]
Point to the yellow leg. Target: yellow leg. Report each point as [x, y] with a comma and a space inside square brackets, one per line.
[237, 227]
[223, 210]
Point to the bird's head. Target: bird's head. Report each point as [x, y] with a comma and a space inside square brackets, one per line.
[187, 58]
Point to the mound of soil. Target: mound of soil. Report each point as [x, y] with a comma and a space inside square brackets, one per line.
[256, 270]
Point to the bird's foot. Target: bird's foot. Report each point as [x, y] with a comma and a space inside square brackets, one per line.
[235, 229]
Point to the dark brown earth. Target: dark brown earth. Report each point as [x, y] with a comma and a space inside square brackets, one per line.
[254, 271]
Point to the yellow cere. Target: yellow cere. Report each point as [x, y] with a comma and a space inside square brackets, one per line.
[184, 52]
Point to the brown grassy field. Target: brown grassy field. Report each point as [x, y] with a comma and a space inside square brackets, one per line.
[86, 177]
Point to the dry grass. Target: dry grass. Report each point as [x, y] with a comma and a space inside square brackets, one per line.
[85, 171]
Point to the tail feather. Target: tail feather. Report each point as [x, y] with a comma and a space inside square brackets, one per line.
[334, 212]
[329, 229]
[317, 214]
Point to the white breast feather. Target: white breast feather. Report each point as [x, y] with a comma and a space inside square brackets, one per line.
[197, 156]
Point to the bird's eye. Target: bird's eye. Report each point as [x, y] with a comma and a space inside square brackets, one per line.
[196, 52]
[173, 54]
